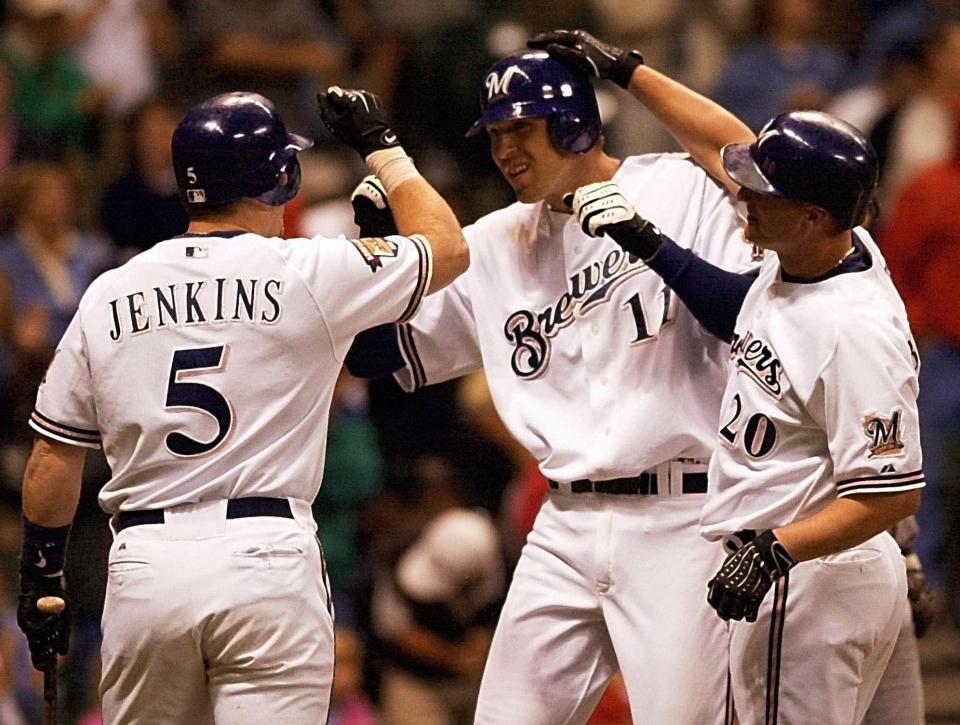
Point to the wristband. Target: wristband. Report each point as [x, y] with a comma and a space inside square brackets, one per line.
[43, 549]
[392, 166]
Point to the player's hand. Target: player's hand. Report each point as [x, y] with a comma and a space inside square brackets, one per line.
[589, 55]
[371, 210]
[47, 634]
[921, 601]
[738, 588]
[357, 118]
[602, 208]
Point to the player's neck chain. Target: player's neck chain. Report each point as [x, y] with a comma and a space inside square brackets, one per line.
[845, 256]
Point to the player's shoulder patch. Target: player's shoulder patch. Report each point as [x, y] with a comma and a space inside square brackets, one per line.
[374, 249]
[884, 434]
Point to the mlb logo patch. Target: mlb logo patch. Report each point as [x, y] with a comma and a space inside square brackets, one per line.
[196, 196]
[197, 252]
[374, 249]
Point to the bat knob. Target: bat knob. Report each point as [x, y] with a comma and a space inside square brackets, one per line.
[51, 605]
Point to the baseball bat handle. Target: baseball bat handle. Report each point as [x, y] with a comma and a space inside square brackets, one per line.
[51, 605]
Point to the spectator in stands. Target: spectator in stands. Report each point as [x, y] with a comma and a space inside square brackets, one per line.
[434, 607]
[352, 474]
[142, 207]
[924, 131]
[921, 242]
[54, 102]
[46, 262]
[785, 68]
[284, 49]
[349, 703]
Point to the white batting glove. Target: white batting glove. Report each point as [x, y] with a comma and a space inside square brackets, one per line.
[371, 209]
[599, 205]
[371, 188]
[602, 208]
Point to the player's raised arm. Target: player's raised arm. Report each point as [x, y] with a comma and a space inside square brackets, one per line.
[357, 118]
[700, 126]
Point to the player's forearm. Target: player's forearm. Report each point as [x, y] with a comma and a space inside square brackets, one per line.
[701, 126]
[51, 483]
[419, 209]
[846, 522]
[713, 295]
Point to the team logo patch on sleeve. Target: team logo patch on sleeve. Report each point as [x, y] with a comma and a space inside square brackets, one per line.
[374, 249]
[884, 435]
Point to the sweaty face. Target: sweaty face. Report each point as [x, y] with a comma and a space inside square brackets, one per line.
[522, 150]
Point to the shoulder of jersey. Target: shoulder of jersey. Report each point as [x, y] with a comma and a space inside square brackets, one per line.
[492, 228]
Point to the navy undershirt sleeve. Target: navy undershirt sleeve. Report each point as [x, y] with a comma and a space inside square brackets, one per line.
[712, 294]
[375, 353]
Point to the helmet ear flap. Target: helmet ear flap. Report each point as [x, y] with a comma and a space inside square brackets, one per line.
[283, 192]
[571, 133]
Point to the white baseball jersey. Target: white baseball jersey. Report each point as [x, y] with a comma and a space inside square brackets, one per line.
[821, 400]
[593, 364]
[601, 373]
[205, 366]
[820, 404]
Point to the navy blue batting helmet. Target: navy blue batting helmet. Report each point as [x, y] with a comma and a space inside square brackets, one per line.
[811, 157]
[532, 84]
[234, 146]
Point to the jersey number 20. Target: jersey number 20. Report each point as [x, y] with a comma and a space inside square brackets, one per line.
[759, 432]
[197, 396]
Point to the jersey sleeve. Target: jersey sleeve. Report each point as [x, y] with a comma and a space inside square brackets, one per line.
[361, 283]
[66, 408]
[440, 343]
[869, 390]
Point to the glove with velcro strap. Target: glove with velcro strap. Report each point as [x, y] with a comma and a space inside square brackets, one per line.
[357, 118]
[602, 209]
[589, 55]
[739, 587]
[371, 209]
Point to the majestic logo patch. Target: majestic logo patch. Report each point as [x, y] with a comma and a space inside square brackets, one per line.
[374, 249]
[757, 359]
[884, 435]
[500, 86]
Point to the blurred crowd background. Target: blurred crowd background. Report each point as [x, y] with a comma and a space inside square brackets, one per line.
[426, 500]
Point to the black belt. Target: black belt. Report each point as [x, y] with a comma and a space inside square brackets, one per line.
[237, 508]
[643, 485]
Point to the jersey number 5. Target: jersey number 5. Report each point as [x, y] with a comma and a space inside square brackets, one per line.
[759, 433]
[197, 396]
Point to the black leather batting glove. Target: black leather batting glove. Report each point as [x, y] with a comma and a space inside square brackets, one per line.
[921, 601]
[589, 55]
[47, 634]
[357, 118]
[371, 210]
[602, 208]
[738, 589]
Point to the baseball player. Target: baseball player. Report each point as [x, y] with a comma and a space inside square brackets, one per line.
[204, 368]
[609, 382]
[818, 448]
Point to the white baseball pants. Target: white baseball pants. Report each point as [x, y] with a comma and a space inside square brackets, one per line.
[822, 639]
[608, 582]
[209, 619]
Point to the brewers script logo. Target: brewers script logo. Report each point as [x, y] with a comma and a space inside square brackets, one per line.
[374, 249]
[500, 86]
[531, 332]
[756, 358]
[884, 435]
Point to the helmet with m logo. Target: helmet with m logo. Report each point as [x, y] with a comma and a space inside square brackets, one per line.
[532, 85]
